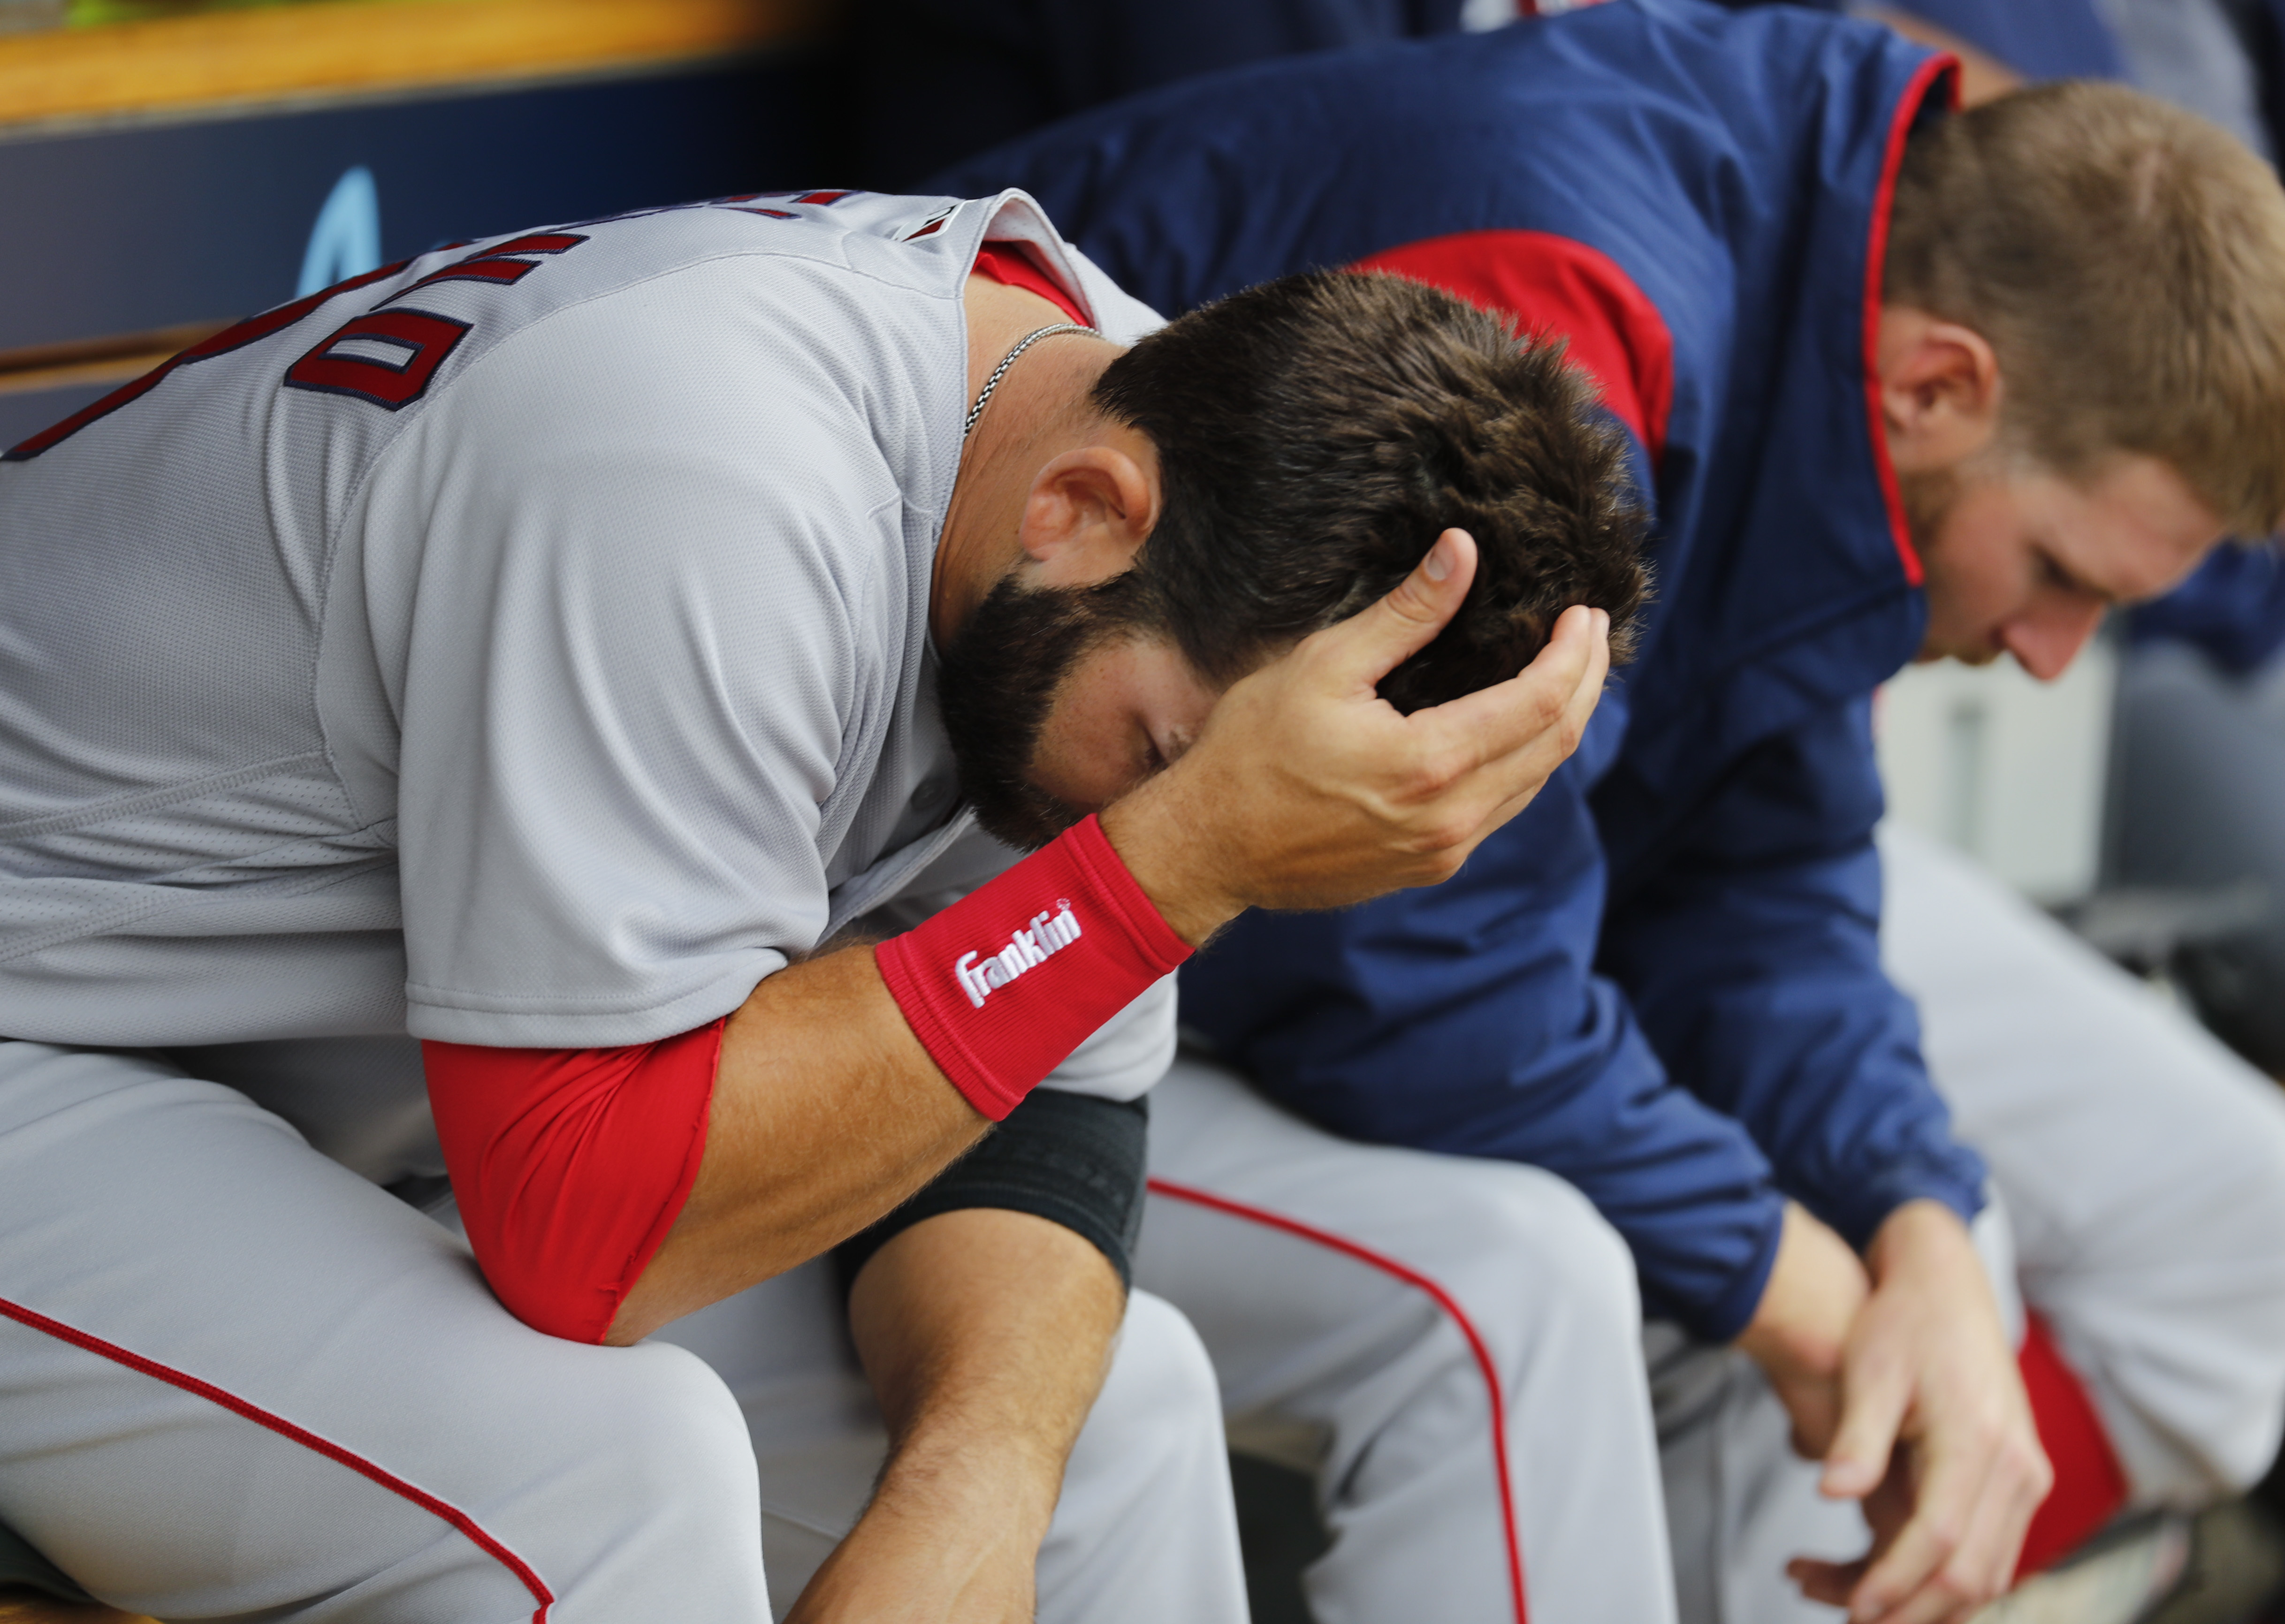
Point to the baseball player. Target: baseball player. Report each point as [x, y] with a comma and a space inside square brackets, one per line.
[591, 667]
[1905, 384]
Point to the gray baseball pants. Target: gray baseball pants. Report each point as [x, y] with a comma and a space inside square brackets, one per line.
[239, 1382]
[1453, 1347]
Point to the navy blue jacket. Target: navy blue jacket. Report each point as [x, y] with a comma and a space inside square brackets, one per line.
[938, 81]
[2233, 608]
[1661, 981]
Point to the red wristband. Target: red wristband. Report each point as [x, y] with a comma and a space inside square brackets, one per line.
[1007, 982]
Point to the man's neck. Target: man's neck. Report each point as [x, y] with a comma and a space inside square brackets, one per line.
[982, 525]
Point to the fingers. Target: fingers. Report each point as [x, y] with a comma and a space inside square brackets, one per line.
[1984, 1566]
[1830, 1582]
[1874, 1394]
[1541, 752]
[1589, 692]
[1899, 1588]
[1365, 648]
[1960, 1549]
[1537, 716]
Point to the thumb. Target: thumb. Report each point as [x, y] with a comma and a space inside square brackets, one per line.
[1871, 1410]
[1368, 645]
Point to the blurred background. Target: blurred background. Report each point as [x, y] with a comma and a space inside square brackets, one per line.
[169, 166]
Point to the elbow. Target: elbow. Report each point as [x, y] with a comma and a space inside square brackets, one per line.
[570, 1166]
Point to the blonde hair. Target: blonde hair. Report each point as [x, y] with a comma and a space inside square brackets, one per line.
[2126, 262]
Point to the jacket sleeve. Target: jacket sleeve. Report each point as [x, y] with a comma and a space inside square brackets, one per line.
[1467, 1018]
[1751, 957]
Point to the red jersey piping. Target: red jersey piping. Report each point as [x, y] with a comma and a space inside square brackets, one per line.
[1443, 1298]
[1876, 265]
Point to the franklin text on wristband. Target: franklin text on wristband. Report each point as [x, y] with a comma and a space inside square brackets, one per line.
[1003, 985]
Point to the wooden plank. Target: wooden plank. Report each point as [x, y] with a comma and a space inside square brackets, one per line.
[351, 47]
[31, 1607]
[112, 359]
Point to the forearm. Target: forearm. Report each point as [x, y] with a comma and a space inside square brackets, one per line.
[845, 1083]
[827, 1112]
[989, 1330]
[1758, 974]
[1304, 790]
[986, 1335]
[1799, 1333]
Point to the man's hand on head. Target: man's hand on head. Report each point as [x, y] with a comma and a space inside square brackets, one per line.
[1307, 790]
[1935, 1436]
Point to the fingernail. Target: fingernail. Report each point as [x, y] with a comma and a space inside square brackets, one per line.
[1438, 564]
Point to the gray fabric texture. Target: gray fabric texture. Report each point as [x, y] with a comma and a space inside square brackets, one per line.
[555, 707]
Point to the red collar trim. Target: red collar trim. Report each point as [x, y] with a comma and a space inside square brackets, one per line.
[1012, 264]
[1876, 257]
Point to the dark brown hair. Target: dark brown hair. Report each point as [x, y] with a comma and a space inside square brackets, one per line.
[2126, 262]
[1316, 433]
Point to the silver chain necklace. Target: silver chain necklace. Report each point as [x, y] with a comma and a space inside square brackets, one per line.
[1001, 371]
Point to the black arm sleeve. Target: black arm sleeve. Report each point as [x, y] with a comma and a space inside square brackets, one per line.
[1068, 1158]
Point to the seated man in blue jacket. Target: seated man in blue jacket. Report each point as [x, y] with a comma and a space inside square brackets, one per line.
[1904, 385]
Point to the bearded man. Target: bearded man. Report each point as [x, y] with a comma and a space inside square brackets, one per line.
[589, 668]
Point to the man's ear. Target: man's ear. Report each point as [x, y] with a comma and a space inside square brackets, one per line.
[1088, 512]
[1940, 390]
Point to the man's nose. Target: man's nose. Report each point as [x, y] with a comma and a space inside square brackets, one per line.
[2047, 637]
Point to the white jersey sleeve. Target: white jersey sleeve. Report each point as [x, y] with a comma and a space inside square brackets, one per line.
[651, 644]
[526, 647]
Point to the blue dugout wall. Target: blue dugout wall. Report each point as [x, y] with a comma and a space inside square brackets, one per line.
[140, 232]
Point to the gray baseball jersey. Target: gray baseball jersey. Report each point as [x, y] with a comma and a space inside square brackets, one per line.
[526, 648]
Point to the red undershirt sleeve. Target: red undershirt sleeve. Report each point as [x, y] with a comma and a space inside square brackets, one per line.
[570, 1165]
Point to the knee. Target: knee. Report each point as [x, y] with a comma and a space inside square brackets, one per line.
[1161, 1362]
[1536, 1236]
[647, 1502]
[1538, 1260]
[661, 1432]
[1160, 1397]
[1144, 1526]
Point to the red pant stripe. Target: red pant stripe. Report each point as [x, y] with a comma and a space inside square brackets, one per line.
[308, 1440]
[1437, 1294]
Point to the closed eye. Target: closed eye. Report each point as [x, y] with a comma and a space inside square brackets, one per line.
[2054, 575]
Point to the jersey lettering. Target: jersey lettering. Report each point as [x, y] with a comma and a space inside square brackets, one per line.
[497, 263]
[252, 330]
[386, 356]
